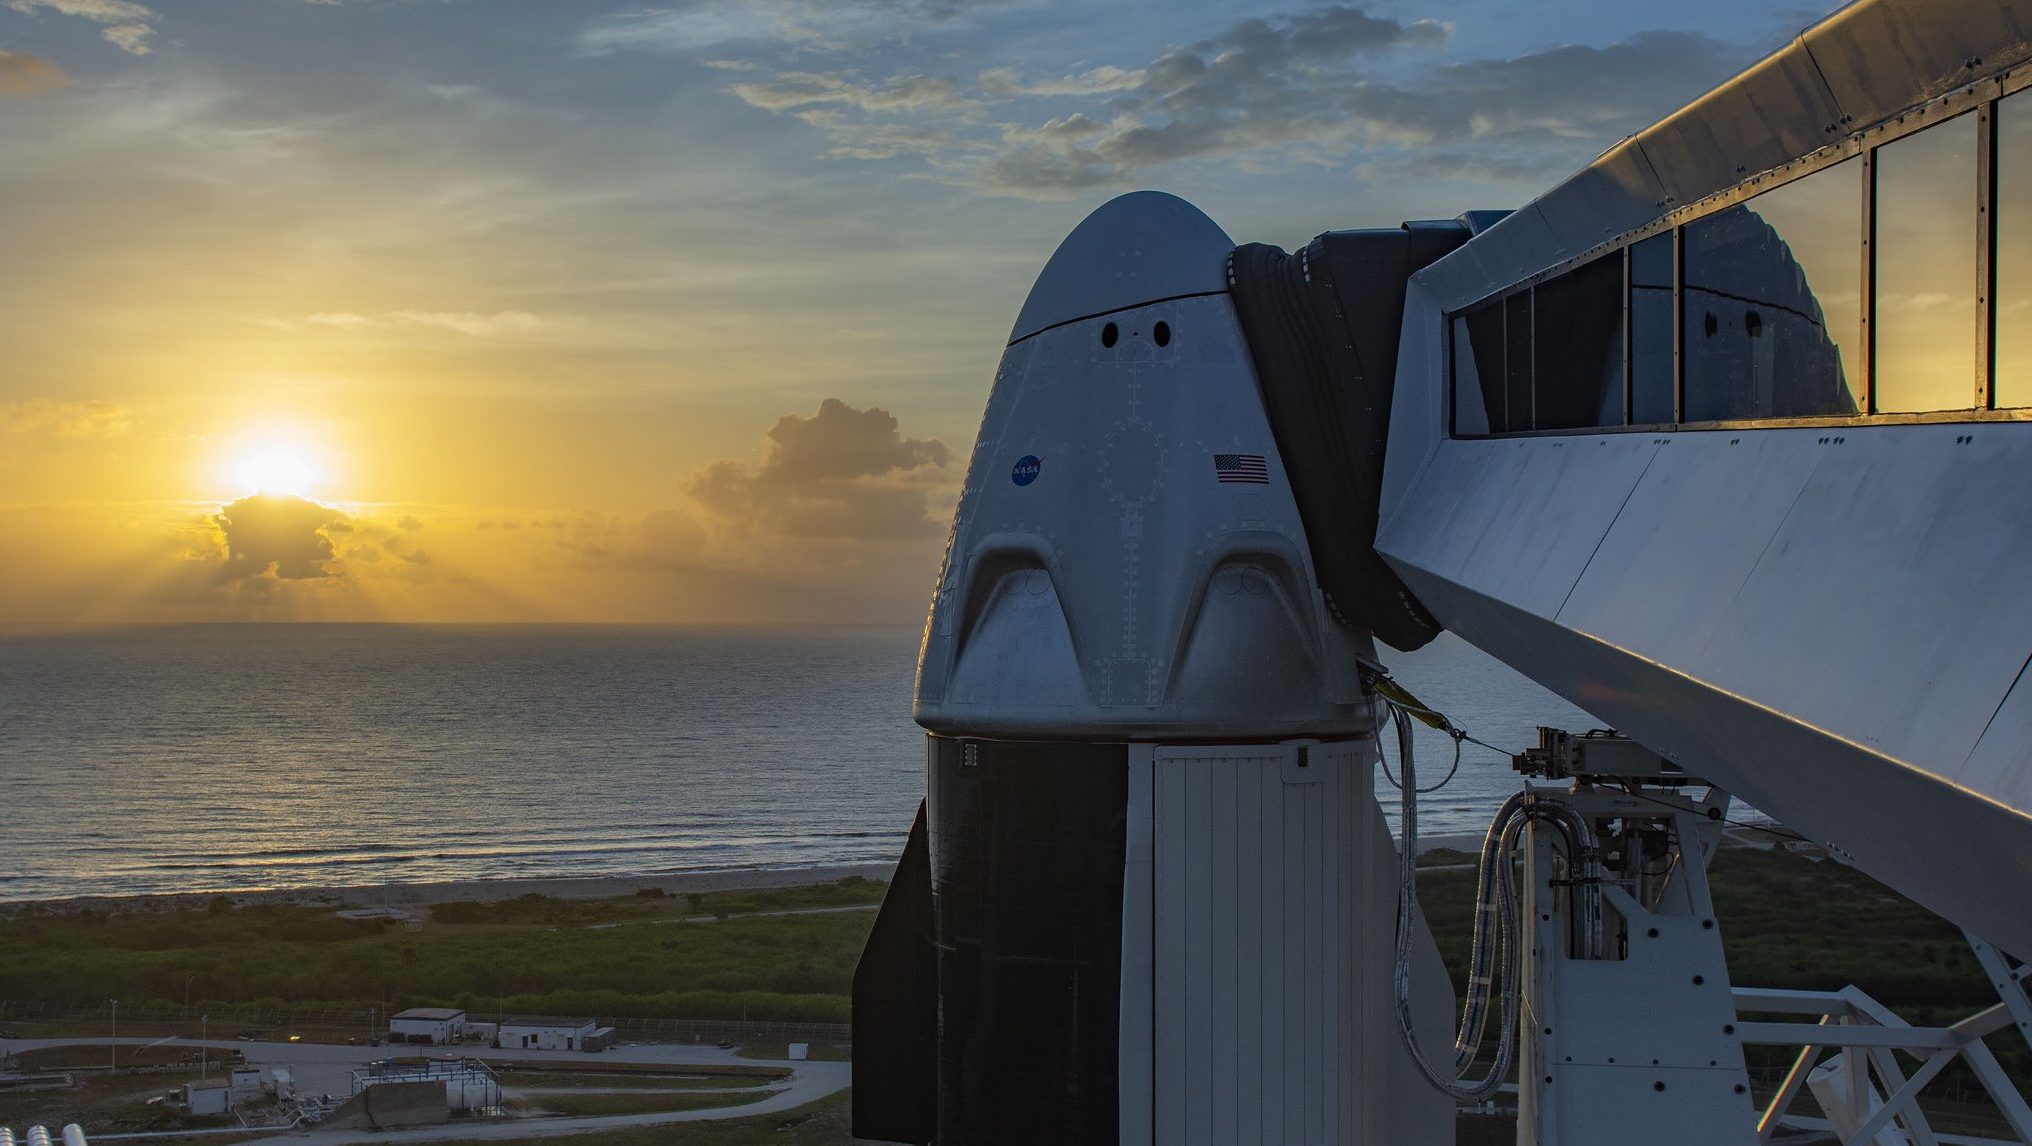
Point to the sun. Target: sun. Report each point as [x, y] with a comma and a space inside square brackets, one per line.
[276, 471]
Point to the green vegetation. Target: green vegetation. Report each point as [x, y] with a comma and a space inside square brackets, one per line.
[632, 956]
[105, 1105]
[815, 1052]
[659, 907]
[1787, 920]
[85, 1056]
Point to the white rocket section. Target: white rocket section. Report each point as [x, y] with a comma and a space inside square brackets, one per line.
[1106, 576]
[1271, 904]
[1127, 564]
[1830, 622]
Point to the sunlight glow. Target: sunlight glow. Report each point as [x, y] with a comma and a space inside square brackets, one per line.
[275, 471]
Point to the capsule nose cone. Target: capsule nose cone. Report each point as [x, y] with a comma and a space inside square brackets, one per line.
[1133, 249]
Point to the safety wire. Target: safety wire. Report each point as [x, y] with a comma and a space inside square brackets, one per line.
[1495, 932]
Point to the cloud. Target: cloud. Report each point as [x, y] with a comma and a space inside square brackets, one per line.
[814, 24]
[841, 473]
[267, 536]
[503, 323]
[125, 24]
[1330, 86]
[24, 75]
[42, 417]
[905, 93]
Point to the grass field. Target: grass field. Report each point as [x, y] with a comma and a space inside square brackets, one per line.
[698, 957]
[105, 1105]
[1787, 921]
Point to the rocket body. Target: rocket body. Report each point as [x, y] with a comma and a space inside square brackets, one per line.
[1158, 892]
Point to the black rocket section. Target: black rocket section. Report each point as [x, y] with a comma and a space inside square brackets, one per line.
[1027, 858]
[896, 1008]
[1323, 327]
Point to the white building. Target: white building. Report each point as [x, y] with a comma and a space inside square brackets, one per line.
[434, 1025]
[554, 1034]
[212, 1097]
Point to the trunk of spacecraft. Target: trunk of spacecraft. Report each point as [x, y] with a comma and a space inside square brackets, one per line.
[1150, 897]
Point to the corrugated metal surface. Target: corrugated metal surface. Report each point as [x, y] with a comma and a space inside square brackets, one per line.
[1273, 913]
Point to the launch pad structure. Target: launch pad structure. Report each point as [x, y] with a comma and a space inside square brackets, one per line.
[1686, 440]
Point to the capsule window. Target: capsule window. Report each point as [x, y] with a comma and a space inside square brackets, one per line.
[1162, 333]
[1110, 334]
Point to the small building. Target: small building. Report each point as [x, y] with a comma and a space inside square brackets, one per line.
[246, 1078]
[554, 1034]
[211, 1097]
[467, 1084]
[436, 1026]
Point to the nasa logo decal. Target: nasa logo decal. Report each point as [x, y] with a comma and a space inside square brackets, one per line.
[1026, 469]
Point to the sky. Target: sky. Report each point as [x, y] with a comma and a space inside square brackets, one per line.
[503, 310]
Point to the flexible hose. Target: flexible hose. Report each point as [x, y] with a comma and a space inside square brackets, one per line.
[1495, 926]
[1495, 918]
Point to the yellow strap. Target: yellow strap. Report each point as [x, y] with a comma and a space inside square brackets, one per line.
[1417, 708]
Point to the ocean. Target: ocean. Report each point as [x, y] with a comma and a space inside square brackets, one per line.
[234, 757]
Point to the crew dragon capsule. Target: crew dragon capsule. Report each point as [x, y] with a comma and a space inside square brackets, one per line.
[1149, 896]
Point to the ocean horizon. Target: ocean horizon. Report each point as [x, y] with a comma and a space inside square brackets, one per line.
[192, 758]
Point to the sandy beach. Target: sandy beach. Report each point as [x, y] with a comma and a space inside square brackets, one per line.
[411, 896]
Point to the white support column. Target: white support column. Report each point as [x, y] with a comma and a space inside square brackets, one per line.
[2009, 982]
[1644, 1036]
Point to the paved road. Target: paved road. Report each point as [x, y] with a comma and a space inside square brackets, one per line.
[326, 1068]
[813, 1081]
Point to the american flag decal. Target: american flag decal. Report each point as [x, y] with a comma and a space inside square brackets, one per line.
[1248, 469]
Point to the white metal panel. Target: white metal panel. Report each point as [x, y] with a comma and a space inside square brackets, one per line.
[1418, 413]
[1960, 854]
[1901, 575]
[1688, 538]
[2001, 765]
[1200, 801]
[1273, 910]
[1646, 1039]
[1520, 518]
[1136, 247]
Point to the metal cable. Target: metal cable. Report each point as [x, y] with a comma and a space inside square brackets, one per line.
[1494, 923]
[1494, 935]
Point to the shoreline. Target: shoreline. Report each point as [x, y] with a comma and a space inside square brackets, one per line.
[403, 896]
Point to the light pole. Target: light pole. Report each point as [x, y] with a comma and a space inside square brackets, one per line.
[186, 994]
[204, 1021]
[113, 1049]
